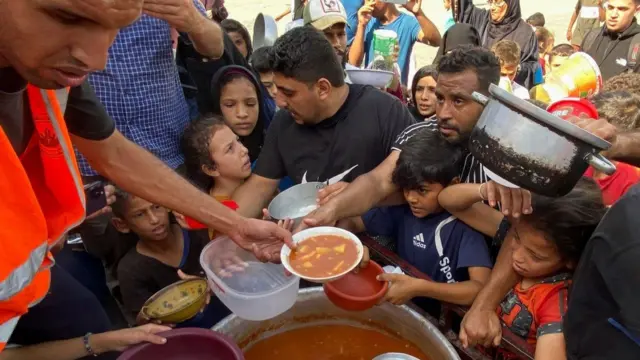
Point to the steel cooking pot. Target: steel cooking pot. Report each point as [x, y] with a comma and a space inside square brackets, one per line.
[313, 308]
[265, 31]
[531, 148]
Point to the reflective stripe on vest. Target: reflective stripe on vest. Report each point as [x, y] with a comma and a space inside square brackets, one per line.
[23, 274]
[6, 329]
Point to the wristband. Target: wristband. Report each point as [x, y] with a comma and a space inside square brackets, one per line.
[87, 346]
[480, 191]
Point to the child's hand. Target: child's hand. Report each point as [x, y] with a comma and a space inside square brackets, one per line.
[402, 288]
[513, 201]
[365, 260]
[286, 224]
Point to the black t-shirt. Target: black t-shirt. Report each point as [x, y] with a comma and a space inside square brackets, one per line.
[141, 276]
[607, 285]
[85, 116]
[351, 143]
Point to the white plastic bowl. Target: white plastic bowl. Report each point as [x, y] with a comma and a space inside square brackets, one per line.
[323, 230]
[254, 290]
[376, 78]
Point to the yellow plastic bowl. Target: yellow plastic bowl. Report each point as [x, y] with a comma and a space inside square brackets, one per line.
[177, 302]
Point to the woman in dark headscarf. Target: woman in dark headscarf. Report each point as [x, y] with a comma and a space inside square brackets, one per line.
[457, 35]
[240, 36]
[423, 96]
[237, 96]
[503, 22]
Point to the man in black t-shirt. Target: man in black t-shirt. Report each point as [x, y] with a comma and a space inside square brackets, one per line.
[326, 130]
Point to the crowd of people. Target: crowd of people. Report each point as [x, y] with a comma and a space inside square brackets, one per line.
[170, 108]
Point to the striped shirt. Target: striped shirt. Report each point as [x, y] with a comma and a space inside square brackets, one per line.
[472, 170]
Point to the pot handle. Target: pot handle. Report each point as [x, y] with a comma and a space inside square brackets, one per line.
[479, 98]
[601, 163]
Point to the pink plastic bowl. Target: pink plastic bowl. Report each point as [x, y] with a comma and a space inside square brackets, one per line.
[187, 344]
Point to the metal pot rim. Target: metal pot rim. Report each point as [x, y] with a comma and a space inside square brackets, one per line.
[534, 112]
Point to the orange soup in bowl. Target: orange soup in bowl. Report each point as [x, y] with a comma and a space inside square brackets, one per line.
[323, 256]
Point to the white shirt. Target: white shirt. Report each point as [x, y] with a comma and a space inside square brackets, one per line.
[519, 90]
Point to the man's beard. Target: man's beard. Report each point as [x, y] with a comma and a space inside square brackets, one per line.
[343, 57]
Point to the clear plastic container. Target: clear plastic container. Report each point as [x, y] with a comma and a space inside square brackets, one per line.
[251, 289]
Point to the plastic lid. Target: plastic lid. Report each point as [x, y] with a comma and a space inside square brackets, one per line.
[573, 107]
[237, 272]
[386, 33]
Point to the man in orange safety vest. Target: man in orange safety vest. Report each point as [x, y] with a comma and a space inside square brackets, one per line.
[47, 49]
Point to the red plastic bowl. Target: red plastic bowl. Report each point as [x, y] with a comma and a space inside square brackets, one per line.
[357, 291]
[573, 107]
[187, 344]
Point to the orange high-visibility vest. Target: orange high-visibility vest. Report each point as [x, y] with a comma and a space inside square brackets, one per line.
[42, 198]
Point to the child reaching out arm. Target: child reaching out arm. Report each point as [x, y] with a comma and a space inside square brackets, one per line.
[545, 247]
[453, 255]
[403, 287]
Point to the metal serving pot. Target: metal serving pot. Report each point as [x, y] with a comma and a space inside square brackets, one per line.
[313, 308]
[531, 148]
[265, 31]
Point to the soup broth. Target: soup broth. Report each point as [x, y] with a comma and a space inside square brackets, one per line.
[330, 342]
[323, 256]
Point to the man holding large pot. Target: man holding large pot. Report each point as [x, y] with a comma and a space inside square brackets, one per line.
[460, 73]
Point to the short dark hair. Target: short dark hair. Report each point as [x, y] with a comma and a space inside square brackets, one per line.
[195, 143]
[536, 19]
[543, 35]
[620, 108]
[119, 207]
[261, 59]
[482, 61]
[230, 25]
[507, 52]
[562, 50]
[625, 81]
[427, 158]
[568, 221]
[305, 54]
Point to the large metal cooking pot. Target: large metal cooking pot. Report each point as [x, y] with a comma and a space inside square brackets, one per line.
[313, 308]
[532, 148]
[265, 31]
